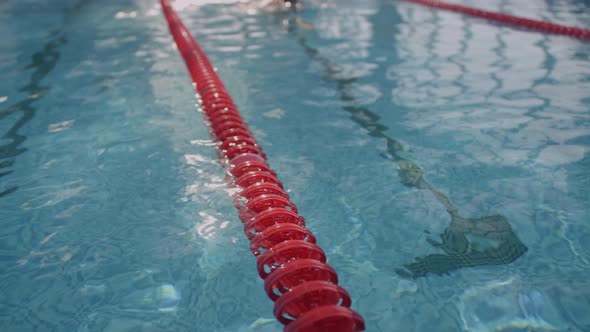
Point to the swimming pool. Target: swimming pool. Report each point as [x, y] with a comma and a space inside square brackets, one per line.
[116, 216]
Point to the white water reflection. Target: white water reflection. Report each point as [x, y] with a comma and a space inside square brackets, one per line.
[562, 154]
[60, 126]
[469, 80]
[62, 193]
[122, 14]
[506, 305]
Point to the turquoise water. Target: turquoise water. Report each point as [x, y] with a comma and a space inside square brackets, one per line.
[115, 215]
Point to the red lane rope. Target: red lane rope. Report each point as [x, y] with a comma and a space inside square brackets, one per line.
[305, 289]
[509, 19]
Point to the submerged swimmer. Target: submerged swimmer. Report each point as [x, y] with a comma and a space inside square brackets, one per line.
[285, 6]
[466, 242]
[292, 3]
[281, 5]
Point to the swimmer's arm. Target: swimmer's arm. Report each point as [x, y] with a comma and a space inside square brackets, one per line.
[303, 25]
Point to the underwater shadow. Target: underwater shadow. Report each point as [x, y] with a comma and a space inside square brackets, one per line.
[466, 242]
[43, 62]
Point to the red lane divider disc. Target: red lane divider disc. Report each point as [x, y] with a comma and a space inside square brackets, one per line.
[263, 188]
[255, 190]
[229, 149]
[276, 234]
[250, 178]
[208, 77]
[205, 88]
[222, 135]
[263, 202]
[205, 74]
[235, 141]
[202, 85]
[328, 319]
[235, 150]
[216, 95]
[244, 158]
[209, 104]
[251, 166]
[275, 215]
[218, 133]
[218, 120]
[229, 125]
[296, 272]
[284, 252]
[306, 297]
[270, 217]
[233, 132]
[221, 111]
[218, 109]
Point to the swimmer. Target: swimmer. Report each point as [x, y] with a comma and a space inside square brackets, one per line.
[286, 6]
[281, 5]
[293, 4]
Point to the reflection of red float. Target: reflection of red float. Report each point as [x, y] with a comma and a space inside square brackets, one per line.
[327, 318]
[542, 26]
[305, 289]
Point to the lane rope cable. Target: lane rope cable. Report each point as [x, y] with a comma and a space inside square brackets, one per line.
[296, 277]
[537, 25]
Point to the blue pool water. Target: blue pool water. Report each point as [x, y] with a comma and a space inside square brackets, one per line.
[115, 215]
